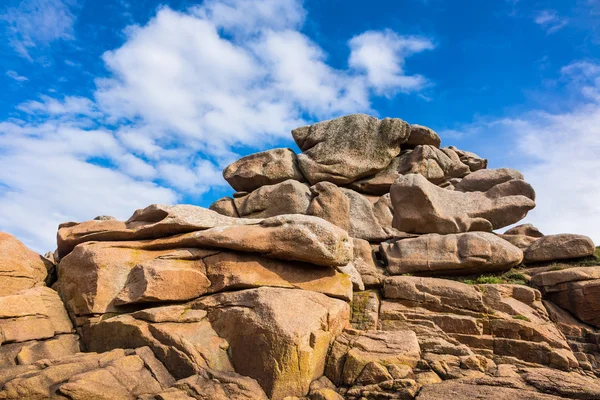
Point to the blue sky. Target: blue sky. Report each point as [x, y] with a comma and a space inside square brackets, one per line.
[110, 106]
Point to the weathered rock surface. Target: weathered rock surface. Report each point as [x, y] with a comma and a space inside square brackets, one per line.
[559, 247]
[214, 385]
[20, 268]
[461, 254]
[434, 164]
[280, 337]
[574, 289]
[485, 179]
[371, 357]
[330, 203]
[348, 148]
[119, 374]
[225, 206]
[288, 197]
[264, 168]
[422, 135]
[380, 183]
[32, 314]
[472, 160]
[154, 221]
[526, 230]
[421, 207]
[458, 390]
[503, 322]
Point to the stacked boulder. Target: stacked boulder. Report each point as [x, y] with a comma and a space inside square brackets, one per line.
[335, 273]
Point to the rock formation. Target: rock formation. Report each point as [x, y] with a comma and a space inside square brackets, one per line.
[365, 267]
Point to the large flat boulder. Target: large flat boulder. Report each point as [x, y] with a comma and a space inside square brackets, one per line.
[280, 337]
[422, 135]
[559, 247]
[288, 197]
[485, 179]
[348, 148]
[261, 169]
[20, 268]
[154, 221]
[460, 254]
[422, 207]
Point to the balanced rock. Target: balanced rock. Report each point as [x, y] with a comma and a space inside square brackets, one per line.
[526, 230]
[559, 247]
[422, 135]
[225, 206]
[462, 254]
[264, 168]
[472, 160]
[288, 197]
[434, 164]
[348, 148]
[422, 207]
[20, 268]
[280, 337]
[485, 179]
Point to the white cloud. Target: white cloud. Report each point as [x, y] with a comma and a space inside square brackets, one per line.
[550, 21]
[37, 23]
[382, 55]
[559, 155]
[14, 75]
[179, 97]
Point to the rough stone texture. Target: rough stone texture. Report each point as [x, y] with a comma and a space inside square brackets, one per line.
[25, 353]
[422, 135]
[563, 384]
[119, 374]
[264, 168]
[348, 148]
[234, 271]
[521, 241]
[210, 384]
[330, 203]
[20, 268]
[154, 221]
[434, 164]
[457, 390]
[421, 207]
[280, 337]
[356, 355]
[363, 222]
[574, 289]
[380, 183]
[182, 338]
[365, 310]
[507, 323]
[485, 179]
[559, 247]
[32, 314]
[461, 254]
[288, 197]
[365, 263]
[225, 206]
[472, 160]
[526, 230]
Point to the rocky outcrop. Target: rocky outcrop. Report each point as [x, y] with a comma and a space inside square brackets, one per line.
[421, 207]
[20, 268]
[266, 168]
[363, 146]
[459, 254]
[312, 281]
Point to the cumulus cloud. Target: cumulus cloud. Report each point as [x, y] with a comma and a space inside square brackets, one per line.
[37, 23]
[381, 55]
[180, 96]
[550, 21]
